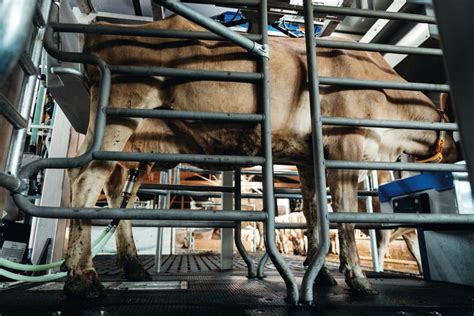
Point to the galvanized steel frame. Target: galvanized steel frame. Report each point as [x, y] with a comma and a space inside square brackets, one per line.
[261, 51]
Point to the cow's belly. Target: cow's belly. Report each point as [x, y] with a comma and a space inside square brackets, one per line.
[157, 136]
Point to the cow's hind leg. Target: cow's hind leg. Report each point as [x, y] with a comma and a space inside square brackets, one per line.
[309, 194]
[343, 185]
[86, 185]
[126, 251]
[82, 280]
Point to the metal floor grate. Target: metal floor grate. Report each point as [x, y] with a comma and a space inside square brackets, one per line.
[188, 263]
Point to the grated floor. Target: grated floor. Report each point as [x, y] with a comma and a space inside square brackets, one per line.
[183, 289]
[189, 263]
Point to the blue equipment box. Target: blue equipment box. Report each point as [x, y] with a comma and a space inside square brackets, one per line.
[446, 255]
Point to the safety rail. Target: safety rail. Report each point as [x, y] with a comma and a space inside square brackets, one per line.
[186, 115]
[260, 50]
[320, 164]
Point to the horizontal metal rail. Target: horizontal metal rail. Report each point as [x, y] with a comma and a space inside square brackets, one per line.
[216, 195]
[439, 219]
[177, 187]
[138, 213]
[403, 166]
[171, 223]
[378, 84]
[382, 48]
[8, 111]
[185, 115]
[243, 171]
[132, 31]
[188, 74]
[10, 182]
[374, 14]
[225, 2]
[227, 224]
[177, 158]
[344, 121]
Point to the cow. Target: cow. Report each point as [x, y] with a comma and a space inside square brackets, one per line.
[291, 128]
[293, 237]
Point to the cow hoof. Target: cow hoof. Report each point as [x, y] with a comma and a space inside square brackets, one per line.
[84, 285]
[361, 285]
[325, 278]
[134, 271]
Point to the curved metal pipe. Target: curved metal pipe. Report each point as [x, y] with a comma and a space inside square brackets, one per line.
[14, 25]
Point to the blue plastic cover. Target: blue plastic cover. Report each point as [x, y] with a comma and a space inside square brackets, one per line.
[439, 181]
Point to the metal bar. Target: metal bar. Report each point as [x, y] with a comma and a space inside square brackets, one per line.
[10, 182]
[402, 218]
[227, 234]
[176, 158]
[129, 31]
[137, 7]
[244, 171]
[267, 168]
[100, 121]
[244, 195]
[261, 265]
[378, 84]
[375, 14]
[8, 111]
[458, 48]
[373, 236]
[211, 194]
[177, 187]
[18, 138]
[404, 166]
[382, 48]
[27, 65]
[68, 71]
[229, 224]
[185, 115]
[171, 223]
[318, 159]
[213, 26]
[251, 269]
[226, 2]
[344, 121]
[13, 33]
[139, 213]
[188, 74]
[38, 18]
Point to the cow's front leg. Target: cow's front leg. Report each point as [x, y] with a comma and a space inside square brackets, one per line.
[343, 185]
[310, 203]
[86, 185]
[127, 256]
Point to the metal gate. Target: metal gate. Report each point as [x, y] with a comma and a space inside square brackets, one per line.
[258, 46]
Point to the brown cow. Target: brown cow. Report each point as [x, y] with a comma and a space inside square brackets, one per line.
[291, 126]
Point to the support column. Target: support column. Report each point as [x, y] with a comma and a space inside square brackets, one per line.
[227, 234]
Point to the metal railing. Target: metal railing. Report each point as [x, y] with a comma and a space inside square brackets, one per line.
[260, 50]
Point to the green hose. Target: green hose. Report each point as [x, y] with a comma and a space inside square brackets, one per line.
[98, 245]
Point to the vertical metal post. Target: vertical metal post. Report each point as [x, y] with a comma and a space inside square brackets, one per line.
[227, 234]
[162, 202]
[318, 158]
[373, 237]
[251, 272]
[261, 266]
[267, 168]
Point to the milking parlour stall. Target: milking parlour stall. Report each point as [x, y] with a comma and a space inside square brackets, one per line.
[236, 157]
